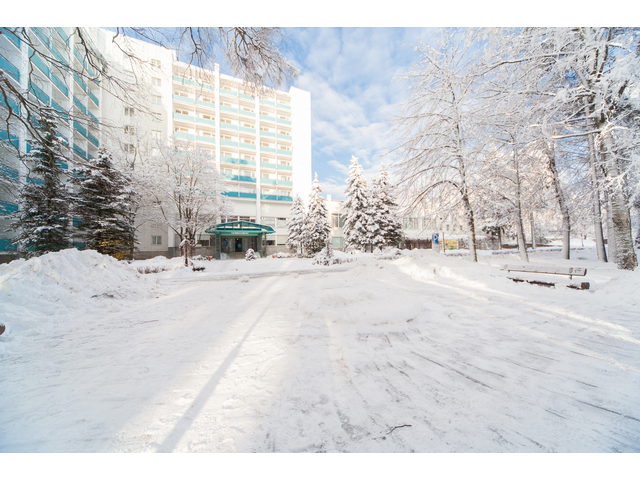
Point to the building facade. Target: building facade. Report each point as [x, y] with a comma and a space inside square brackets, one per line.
[260, 143]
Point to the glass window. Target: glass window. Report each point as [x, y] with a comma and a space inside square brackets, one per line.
[156, 239]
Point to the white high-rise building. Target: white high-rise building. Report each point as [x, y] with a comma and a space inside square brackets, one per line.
[260, 144]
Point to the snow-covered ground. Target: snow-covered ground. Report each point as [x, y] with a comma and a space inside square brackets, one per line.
[421, 353]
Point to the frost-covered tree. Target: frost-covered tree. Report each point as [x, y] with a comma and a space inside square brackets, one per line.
[44, 214]
[390, 223]
[106, 204]
[184, 189]
[318, 228]
[355, 208]
[375, 217]
[439, 129]
[297, 226]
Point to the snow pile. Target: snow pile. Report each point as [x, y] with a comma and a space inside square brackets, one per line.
[58, 284]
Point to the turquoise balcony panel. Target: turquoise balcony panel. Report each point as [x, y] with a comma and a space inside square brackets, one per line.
[6, 208]
[247, 145]
[228, 143]
[187, 118]
[8, 67]
[267, 118]
[246, 195]
[34, 181]
[80, 82]
[93, 98]
[202, 138]
[207, 86]
[79, 104]
[229, 176]
[206, 121]
[246, 113]
[268, 181]
[180, 98]
[286, 183]
[284, 152]
[205, 104]
[183, 80]
[242, 161]
[12, 139]
[80, 128]
[247, 129]
[284, 198]
[11, 36]
[79, 151]
[83, 62]
[93, 140]
[286, 107]
[42, 36]
[267, 134]
[58, 55]
[268, 165]
[267, 102]
[8, 173]
[64, 139]
[269, 197]
[267, 149]
[43, 97]
[93, 118]
[228, 92]
[38, 62]
[248, 97]
[245, 178]
[225, 108]
[228, 126]
[228, 159]
[14, 106]
[7, 244]
[186, 136]
[62, 165]
[60, 84]
[283, 122]
[230, 194]
[287, 168]
[284, 137]
[63, 36]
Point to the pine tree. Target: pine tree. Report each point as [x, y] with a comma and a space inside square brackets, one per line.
[375, 217]
[391, 226]
[43, 217]
[296, 226]
[318, 228]
[355, 208]
[106, 205]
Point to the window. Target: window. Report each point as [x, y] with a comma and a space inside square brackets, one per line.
[264, 129]
[182, 112]
[156, 99]
[246, 109]
[129, 112]
[284, 178]
[156, 134]
[129, 148]
[207, 134]
[249, 125]
[156, 239]
[282, 132]
[227, 171]
[225, 120]
[410, 223]
[264, 144]
[267, 191]
[207, 99]
[129, 130]
[156, 81]
[208, 117]
[337, 221]
[282, 147]
[204, 243]
[281, 223]
[246, 140]
[269, 221]
[181, 94]
[265, 175]
[156, 63]
[247, 157]
[247, 173]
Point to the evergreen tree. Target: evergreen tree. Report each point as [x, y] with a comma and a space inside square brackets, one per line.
[106, 205]
[390, 224]
[355, 207]
[43, 217]
[296, 226]
[375, 217]
[318, 228]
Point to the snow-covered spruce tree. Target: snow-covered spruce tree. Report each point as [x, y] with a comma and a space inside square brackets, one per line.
[375, 217]
[297, 226]
[318, 228]
[355, 231]
[44, 215]
[326, 256]
[106, 203]
[391, 226]
[250, 255]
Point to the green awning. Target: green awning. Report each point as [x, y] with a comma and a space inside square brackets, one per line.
[243, 229]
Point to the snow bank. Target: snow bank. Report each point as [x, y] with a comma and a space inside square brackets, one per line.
[38, 293]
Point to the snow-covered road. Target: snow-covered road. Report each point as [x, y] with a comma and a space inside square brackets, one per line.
[419, 354]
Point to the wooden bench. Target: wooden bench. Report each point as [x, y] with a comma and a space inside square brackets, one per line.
[540, 269]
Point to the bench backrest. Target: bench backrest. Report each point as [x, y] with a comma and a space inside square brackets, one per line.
[579, 271]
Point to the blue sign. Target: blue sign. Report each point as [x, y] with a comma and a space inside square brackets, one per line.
[435, 238]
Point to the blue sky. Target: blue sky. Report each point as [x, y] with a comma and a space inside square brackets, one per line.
[351, 74]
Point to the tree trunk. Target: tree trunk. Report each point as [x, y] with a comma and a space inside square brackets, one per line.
[562, 203]
[472, 227]
[595, 189]
[522, 244]
[533, 231]
[625, 257]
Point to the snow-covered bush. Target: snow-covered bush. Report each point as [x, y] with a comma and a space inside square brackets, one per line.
[250, 255]
[325, 256]
[283, 255]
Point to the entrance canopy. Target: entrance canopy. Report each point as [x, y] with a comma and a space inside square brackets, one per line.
[233, 233]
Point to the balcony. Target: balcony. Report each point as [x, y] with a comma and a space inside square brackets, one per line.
[285, 183]
[202, 103]
[264, 133]
[282, 105]
[79, 151]
[240, 194]
[287, 168]
[79, 104]
[13, 140]
[80, 128]
[284, 137]
[8, 67]
[246, 113]
[60, 84]
[43, 97]
[268, 181]
[285, 152]
[267, 118]
[42, 36]
[180, 98]
[272, 166]
[63, 36]
[10, 36]
[202, 138]
[267, 102]
[183, 80]
[249, 146]
[184, 135]
[225, 108]
[228, 126]
[248, 130]
[6, 207]
[93, 140]
[248, 97]
[15, 108]
[186, 118]
[284, 122]
[239, 178]
[38, 62]
[228, 92]
[228, 143]
[267, 149]
[83, 62]
[206, 121]
[278, 198]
